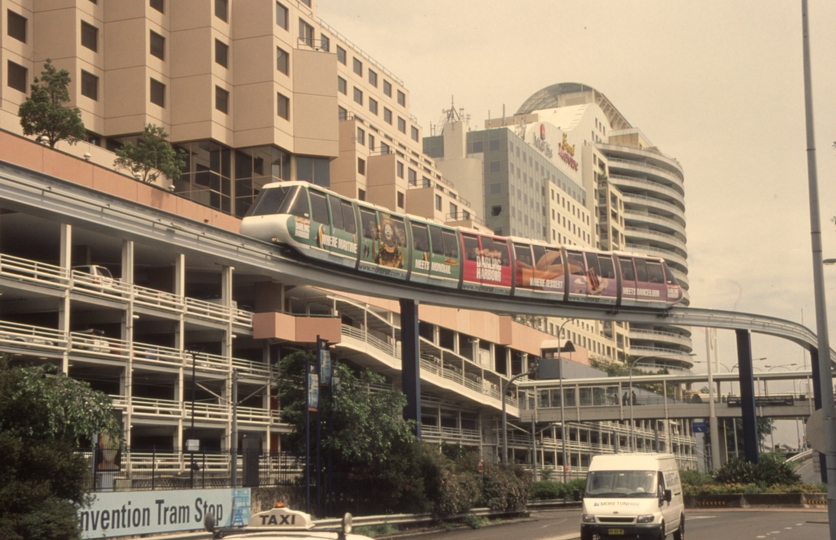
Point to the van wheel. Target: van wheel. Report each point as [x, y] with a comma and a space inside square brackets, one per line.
[679, 534]
[662, 532]
[586, 535]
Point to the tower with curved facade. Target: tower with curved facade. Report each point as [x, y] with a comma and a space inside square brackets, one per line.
[637, 195]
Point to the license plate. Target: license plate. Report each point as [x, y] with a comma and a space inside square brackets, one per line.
[614, 532]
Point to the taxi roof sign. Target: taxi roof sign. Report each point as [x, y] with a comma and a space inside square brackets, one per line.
[281, 518]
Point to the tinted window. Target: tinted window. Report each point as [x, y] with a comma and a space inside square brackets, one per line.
[336, 212]
[607, 268]
[471, 246]
[487, 243]
[502, 247]
[523, 253]
[654, 272]
[592, 262]
[369, 223]
[451, 246]
[420, 238]
[576, 266]
[269, 201]
[641, 270]
[438, 246]
[319, 208]
[669, 279]
[400, 231]
[627, 272]
[349, 221]
[539, 253]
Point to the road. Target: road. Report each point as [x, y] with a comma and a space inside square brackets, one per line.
[772, 524]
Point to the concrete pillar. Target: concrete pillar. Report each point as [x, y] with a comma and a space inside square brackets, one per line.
[65, 257]
[747, 395]
[411, 362]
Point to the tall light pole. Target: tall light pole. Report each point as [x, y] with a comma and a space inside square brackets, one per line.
[531, 370]
[563, 431]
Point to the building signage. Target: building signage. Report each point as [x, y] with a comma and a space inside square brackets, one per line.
[764, 401]
[541, 144]
[130, 513]
[565, 156]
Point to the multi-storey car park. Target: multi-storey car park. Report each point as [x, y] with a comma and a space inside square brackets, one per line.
[254, 92]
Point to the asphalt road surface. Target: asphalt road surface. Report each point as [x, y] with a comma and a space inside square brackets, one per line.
[772, 524]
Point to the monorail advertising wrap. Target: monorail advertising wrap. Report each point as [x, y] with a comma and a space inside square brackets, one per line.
[318, 224]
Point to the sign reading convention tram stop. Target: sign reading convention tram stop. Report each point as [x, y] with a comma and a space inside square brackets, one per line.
[130, 513]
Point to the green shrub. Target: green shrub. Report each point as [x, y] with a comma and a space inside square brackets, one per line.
[547, 490]
[373, 531]
[505, 487]
[695, 478]
[770, 470]
[474, 521]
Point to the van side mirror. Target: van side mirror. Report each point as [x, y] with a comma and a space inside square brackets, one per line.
[668, 495]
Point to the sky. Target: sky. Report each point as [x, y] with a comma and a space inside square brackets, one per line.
[717, 85]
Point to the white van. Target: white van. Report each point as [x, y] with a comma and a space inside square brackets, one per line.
[633, 496]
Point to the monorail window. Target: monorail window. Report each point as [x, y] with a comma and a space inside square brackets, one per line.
[539, 254]
[576, 266]
[641, 270]
[270, 200]
[669, 279]
[348, 217]
[336, 212]
[592, 262]
[523, 254]
[451, 245]
[319, 208]
[471, 247]
[607, 268]
[369, 224]
[420, 238]
[487, 243]
[627, 272]
[502, 247]
[654, 272]
[400, 231]
[438, 242]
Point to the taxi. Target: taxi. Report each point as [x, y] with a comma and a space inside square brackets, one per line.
[282, 523]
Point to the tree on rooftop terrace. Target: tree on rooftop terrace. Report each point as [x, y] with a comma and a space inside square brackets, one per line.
[151, 155]
[45, 112]
[44, 416]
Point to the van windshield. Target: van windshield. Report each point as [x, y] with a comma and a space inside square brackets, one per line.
[614, 484]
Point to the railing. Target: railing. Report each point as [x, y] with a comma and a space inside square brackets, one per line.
[158, 299]
[636, 163]
[390, 349]
[16, 336]
[29, 270]
[652, 185]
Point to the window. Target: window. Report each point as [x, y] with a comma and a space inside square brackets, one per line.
[412, 177]
[89, 36]
[358, 96]
[157, 45]
[401, 99]
[342, 86]
[325, 43]
[387, 115]
[361, 166]
[361, 136]
[16, 26]
[281, 15]
[399, 169]
[283, 106]
[157, 93]
[17, 76]
[159, 5]
[371, 142]
[387, 88]
[493, 166]
[221, 99]
[373, 106]
[89, 85]
[341, 55]
[496, 210]
[306, 33]
[401, 200]
[358, 67]
[306, 2]
[414, 133]
[221, 9]
[342, 113]
[401, 125]
[361, 194]
[438, 202]
[282, 61]
[221, 53]
[373, 77]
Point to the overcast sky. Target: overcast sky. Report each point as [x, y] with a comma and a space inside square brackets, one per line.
[717, 85]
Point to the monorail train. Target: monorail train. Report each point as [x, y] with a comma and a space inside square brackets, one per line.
[319, 224]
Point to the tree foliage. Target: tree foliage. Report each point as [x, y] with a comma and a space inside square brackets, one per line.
[151, 153]
[45, 112]
[770, 470]
[43, 417]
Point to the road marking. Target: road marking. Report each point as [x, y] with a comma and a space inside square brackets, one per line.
[690, 517]
[787, 528]
[761, 536]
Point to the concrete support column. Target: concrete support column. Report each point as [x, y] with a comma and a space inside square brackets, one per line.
[411, 363]
[66, 260]
[747, 395]
[129, 320]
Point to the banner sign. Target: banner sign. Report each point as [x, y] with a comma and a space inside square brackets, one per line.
[764, 401]
[324, 367]
[130, 513]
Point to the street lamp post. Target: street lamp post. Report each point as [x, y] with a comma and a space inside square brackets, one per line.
[563, 431]
[530, 372]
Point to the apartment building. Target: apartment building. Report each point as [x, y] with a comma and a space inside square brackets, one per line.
[254, 91]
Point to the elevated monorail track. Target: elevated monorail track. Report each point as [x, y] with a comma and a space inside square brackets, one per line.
[40, 194]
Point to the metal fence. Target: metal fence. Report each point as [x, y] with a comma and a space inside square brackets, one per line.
[125, 469]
